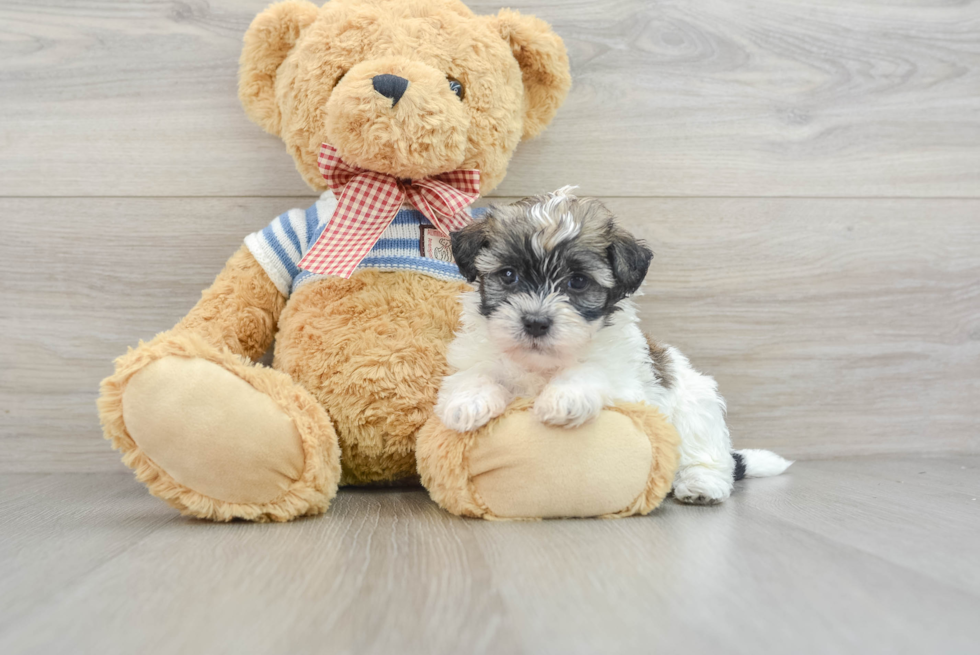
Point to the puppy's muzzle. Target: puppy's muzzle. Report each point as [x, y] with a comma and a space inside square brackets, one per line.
[536, 326]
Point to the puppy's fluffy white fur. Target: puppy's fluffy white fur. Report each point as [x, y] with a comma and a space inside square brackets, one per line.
[589, 365]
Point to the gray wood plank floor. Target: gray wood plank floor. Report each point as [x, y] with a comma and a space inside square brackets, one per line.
[832, 325]
[706, 98]
[857, 555]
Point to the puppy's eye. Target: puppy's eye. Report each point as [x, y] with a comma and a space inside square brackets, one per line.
[508, 276]
[456, 87]
[578, 282]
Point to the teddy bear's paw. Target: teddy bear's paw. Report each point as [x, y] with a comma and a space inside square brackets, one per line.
[469, 409]
[228, 440]
[567, 406]
[699, 485]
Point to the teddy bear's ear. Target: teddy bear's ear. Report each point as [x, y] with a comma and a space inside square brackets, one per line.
[268, 40]
[544, 66]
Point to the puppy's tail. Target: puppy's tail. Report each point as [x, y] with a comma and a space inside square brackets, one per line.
[752, 463]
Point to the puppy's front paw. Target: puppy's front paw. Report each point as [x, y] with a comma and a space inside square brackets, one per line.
[567, 406]
[699, 485]
[468, 410]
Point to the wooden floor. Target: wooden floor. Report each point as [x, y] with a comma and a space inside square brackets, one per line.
[808, 174]
[857, 555]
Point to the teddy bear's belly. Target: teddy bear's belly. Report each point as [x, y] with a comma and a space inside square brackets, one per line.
[372, 350]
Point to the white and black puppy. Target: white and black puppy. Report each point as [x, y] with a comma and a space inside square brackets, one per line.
[551, 319]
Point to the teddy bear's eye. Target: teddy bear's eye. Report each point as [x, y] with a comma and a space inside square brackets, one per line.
[456, 87]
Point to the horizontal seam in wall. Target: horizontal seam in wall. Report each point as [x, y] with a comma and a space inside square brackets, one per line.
[599, 195]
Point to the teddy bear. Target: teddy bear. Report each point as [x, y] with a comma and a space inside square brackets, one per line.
[401, 113]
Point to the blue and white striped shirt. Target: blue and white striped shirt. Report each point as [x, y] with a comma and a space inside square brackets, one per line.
[410, 243]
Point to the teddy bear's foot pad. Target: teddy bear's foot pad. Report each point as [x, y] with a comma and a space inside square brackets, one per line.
[515, 467]
[212, 431]
[526, 469]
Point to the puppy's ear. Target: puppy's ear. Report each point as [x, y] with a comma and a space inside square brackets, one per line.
[630, 260]
[467, 243]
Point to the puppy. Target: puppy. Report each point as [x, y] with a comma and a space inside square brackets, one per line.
[552, 319]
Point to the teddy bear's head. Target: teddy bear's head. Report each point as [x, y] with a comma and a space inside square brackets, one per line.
[411, 88]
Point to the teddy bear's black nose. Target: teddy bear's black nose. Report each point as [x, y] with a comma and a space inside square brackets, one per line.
[390, 86]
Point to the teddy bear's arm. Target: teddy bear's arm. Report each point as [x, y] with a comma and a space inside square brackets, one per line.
[240, 310]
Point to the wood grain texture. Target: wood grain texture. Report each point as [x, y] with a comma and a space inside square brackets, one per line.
[839, 326]
[832, 557]
[56, 530]
[833, 326]
[670, 98]
[79, 288]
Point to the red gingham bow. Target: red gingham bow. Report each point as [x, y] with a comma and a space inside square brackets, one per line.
[368, 204]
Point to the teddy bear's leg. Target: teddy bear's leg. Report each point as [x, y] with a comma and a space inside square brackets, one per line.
[209, 432]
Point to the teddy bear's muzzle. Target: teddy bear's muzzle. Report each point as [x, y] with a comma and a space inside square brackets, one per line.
[398, 116]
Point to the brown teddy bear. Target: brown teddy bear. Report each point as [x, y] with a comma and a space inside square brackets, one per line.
[401, 112]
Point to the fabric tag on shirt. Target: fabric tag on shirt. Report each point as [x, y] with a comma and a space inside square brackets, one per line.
[435, 244]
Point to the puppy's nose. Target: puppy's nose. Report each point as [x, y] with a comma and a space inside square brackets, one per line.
[390, 86]
[536, 326]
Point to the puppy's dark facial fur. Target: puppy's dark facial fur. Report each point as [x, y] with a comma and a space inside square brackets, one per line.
[551, 245]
